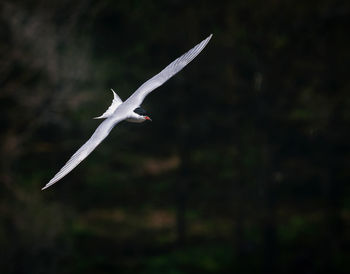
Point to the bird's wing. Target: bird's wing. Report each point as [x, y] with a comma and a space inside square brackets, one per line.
[97, 137]
[139, 95]
[115, 103]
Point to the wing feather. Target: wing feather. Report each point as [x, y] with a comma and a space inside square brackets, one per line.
[139, 95]
[115, 103]
[97, 137]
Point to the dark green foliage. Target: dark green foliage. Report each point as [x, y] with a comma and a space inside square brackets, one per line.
[244, 168]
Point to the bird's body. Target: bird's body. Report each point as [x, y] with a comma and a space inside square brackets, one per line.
[128, 110]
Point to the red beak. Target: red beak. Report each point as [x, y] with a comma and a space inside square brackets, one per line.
[147, 118]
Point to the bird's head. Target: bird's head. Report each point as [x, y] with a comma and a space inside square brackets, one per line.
[142, 114]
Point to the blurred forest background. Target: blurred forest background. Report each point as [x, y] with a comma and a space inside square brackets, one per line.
[244, 169]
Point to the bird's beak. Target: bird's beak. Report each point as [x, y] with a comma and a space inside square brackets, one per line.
[147, 118]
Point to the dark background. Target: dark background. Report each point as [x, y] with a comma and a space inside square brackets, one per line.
[244, 169]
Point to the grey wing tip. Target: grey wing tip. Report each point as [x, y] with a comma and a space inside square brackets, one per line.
[47, 185]
[206, 40]
[209, 37]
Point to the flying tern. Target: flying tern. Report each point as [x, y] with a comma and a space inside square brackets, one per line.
[129, 110]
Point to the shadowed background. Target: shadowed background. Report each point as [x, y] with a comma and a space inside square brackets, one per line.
[244, 168]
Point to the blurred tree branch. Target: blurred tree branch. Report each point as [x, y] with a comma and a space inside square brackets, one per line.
[38, 47]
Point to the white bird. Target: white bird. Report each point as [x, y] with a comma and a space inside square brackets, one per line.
[129, 110]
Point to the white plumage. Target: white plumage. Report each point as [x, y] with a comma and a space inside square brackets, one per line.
[115, 103]
[119, 111]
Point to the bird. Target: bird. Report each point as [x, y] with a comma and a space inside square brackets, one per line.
[129, 110]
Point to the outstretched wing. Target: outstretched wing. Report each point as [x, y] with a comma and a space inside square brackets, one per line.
[115, 103]
[99, 135]
[139, 95]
